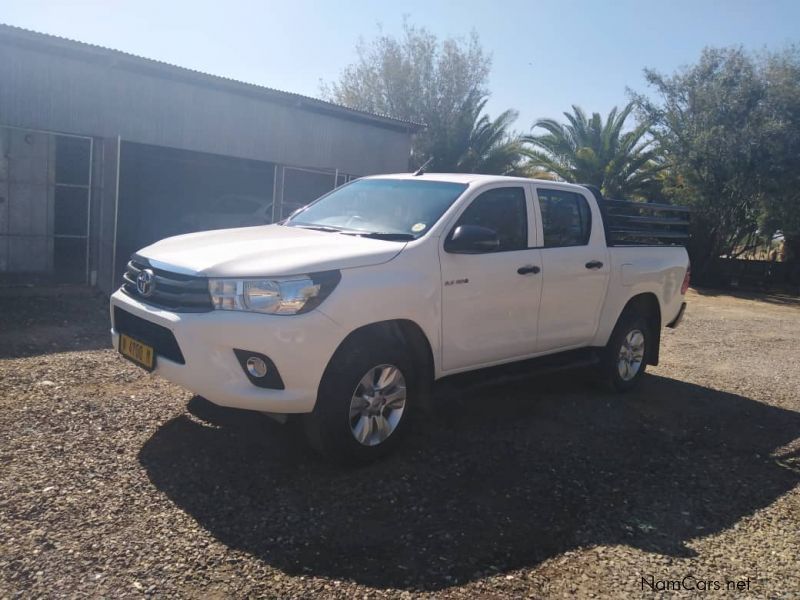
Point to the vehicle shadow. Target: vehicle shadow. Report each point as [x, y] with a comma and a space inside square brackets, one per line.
[492, 481]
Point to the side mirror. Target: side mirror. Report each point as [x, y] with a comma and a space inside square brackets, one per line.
[472, 239]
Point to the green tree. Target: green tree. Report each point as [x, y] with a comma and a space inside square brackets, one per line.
[709, 122]
[591, 150]
[441, 84]
[476, 143]
[781, 147]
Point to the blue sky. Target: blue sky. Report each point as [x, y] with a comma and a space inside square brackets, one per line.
[547, 54]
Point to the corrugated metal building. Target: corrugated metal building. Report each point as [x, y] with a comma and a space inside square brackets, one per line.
[102, 152]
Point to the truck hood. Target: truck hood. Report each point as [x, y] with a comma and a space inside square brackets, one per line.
[267, 250]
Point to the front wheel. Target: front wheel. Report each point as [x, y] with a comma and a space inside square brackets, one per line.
[363, 404]
[625, 355]
[378, 404]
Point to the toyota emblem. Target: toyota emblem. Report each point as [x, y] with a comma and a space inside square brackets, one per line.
[146, 282]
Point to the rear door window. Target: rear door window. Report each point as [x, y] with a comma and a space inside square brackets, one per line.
[566, 218]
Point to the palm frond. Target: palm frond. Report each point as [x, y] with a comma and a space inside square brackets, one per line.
[596, 150]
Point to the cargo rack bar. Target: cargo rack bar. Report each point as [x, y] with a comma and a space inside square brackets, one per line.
[649, 205]
[629, 223]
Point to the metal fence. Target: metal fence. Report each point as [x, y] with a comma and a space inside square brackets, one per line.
[753, 274]
[45, 205]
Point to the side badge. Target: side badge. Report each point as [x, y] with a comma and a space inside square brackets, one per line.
[456, 281]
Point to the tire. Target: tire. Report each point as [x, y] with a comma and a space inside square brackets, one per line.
[379, 416]
[625, 356]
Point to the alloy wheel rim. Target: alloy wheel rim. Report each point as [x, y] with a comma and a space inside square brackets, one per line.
[377, 404]
[631, 355]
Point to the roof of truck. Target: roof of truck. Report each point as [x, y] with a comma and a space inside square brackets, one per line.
[468, 178]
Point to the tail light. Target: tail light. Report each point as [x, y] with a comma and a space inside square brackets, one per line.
[686, 280]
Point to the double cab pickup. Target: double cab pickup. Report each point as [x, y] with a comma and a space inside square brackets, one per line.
[347, 312]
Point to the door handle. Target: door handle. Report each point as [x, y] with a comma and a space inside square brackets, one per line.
[528, 270]
[594, 264]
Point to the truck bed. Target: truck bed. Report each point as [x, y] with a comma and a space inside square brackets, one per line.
[629, 223]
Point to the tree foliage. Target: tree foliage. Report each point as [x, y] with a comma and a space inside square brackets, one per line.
[781, 198]
[476, 143]
[708, 123]
[591, 150]
[441, 84]
[729, 127]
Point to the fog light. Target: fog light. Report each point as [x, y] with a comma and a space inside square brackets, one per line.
[256, 366]
[259, 369]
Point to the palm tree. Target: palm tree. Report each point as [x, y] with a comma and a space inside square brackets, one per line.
[590, 151]
[476, 143]
[491, 148]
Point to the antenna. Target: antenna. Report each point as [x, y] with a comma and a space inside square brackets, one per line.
[421, 170]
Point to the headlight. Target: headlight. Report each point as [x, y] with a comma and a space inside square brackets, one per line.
[276, 296]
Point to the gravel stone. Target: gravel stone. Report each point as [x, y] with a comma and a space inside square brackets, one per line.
[115, 483]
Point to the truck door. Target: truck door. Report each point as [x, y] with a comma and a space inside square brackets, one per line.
[490, 299]
[575, 268]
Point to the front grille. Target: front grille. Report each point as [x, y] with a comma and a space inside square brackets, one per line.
[160, 338]
[173, 291]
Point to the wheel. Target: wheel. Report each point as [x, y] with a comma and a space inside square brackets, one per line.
[625, 356]
[364, 402]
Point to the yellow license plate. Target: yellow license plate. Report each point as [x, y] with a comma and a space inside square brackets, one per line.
[134, 350]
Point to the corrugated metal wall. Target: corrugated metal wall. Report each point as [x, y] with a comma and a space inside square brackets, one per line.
[45, 197]
[26, 201]
[42, 90]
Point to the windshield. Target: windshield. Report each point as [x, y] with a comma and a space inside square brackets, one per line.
[402, 208]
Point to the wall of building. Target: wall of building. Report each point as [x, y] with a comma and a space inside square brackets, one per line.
[44, 204]
[26, 208]
[76, 91]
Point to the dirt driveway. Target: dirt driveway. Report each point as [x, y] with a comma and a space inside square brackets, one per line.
[115, 483]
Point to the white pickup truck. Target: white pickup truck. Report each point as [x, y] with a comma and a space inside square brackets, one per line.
[347, 311]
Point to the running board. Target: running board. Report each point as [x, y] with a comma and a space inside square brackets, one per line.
[583, 358]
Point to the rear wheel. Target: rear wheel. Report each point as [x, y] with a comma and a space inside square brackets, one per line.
[364, 402]
[625, 355]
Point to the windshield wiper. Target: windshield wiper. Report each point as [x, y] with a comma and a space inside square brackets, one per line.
[378, 235]
[317, 228]
[381, 235]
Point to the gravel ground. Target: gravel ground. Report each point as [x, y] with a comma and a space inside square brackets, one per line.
[116, 483]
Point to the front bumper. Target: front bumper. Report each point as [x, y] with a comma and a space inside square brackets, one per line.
[299, 345]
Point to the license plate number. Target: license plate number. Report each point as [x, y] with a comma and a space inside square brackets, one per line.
[136, 351]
